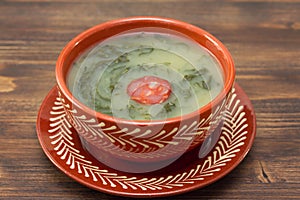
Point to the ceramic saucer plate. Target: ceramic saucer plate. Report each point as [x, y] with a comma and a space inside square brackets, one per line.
[61, 144]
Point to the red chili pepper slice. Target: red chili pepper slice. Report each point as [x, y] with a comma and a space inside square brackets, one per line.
[149, 90]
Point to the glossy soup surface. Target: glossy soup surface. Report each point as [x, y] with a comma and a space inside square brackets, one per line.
[145, 75]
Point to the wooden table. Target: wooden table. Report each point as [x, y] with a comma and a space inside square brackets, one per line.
[262, 35]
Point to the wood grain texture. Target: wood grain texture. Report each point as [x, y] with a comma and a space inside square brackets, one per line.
[262, 35]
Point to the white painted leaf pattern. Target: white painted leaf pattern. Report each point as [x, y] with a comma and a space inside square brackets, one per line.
[90, 128]
[233, 135]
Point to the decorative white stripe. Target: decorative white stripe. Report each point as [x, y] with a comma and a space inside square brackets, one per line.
[232, 138]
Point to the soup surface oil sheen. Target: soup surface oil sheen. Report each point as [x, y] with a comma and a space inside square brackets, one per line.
[145, 76]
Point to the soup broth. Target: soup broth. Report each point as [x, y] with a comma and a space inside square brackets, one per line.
[145, 76]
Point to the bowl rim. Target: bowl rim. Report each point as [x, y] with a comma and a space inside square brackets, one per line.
[61, 82]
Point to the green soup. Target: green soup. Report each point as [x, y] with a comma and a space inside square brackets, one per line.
[110, 78]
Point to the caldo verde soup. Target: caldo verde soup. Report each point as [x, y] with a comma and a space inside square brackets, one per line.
[145, 76]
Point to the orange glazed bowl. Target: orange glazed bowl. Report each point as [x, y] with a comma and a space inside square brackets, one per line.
[142, 145]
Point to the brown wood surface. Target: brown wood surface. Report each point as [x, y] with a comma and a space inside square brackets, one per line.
[262, 35]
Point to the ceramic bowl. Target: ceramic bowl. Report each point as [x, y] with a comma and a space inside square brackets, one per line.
[108, 138]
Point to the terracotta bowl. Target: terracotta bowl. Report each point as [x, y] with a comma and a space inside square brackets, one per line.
[158, 141]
